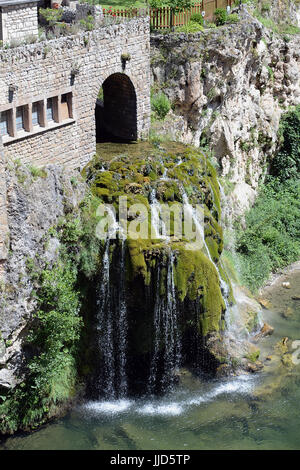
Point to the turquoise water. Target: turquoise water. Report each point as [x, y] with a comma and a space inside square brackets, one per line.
[256, 411]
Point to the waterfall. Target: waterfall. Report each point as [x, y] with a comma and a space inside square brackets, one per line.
[170, 320]
[105, 328]
[157, 222]
[112, 309]
[122, 326]
[167, 348]
[112, 325]
[200, 229]
[193, 214]
[164, 176]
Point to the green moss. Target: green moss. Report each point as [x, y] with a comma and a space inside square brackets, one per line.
[135, 176]
[222, 266]
[253, 357]
[287, 361]
[252, 322]
[138, 264]
[213, 249]
[196, 278]
[103, 193]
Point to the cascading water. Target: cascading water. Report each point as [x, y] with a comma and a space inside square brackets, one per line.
[200, 229]
[112, 325]
[193, 215]
[122, 325]
[232, 315]
[160, 228]
[158, 224]
[112, 308]
[105, 328]
[167, 348]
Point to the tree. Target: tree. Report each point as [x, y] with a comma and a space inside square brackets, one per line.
[176, 6]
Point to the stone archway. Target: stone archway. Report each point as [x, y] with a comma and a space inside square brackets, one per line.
[116, 111]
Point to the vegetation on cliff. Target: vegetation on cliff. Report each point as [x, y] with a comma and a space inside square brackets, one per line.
[271, 238]
[50, 377]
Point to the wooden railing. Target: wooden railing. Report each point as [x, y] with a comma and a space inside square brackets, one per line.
[160, 18]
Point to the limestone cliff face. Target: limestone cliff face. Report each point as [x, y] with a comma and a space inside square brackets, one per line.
[35, 202]
[228, 88]
[280, 10]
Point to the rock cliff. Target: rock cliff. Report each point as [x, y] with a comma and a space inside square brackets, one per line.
[36, 199]
[228, 87]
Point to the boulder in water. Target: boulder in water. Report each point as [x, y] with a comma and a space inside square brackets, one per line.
[265, 303]
[266, 330]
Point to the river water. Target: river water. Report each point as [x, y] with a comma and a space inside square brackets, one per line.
[255, 411]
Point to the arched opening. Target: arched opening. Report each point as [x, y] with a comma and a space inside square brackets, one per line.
[116, 114]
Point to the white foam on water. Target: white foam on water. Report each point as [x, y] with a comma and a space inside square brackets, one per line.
[108, 407]
[230, 387]
[240, 385]
[197, 400]
[170, 409]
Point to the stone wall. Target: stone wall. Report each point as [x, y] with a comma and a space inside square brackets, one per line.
[44, 69]
[3, 212]
[81, 11]
[19, 20]
[1, 32]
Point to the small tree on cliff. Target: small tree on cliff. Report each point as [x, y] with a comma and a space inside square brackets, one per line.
[176, 6]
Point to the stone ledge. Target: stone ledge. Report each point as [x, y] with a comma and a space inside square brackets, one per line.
[40, 130]
[8, 3]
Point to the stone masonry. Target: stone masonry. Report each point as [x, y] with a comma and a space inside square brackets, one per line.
[3, 212]
[35, 72]
[18, 20]
[38, 71]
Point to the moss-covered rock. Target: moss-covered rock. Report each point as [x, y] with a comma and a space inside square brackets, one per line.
[197, 278]
[170, 172]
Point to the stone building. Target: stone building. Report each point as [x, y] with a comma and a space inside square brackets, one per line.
[18, 20]
[49, 107]
[49, 91]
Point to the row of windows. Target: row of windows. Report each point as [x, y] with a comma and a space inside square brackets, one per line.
[58, 109]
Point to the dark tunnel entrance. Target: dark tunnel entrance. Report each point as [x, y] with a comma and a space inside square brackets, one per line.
[116, 113]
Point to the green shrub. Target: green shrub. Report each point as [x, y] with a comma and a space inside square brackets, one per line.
[220, 16]
[160, 104]
[286, 162]
[291, 29]
[233, 18]
[271, 237]
[191, 27]
[87, 24]
[265, 7]
[51, 371]
[37, 172]
[51, 16]
[197, 18]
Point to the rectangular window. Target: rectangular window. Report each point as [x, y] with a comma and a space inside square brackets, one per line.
[66, 106]
[50, 116]
[4, 123]
[20, 118]
[35, 114]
